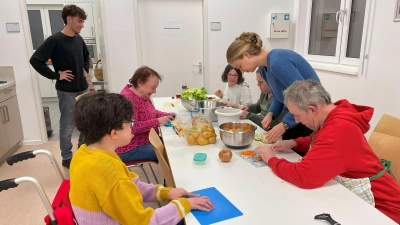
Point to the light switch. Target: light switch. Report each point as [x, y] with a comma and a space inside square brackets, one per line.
[12, 27]
[215, 26]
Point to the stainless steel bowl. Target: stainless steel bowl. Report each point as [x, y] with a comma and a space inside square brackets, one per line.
[206, 107]
[237, 139]
[190, 105]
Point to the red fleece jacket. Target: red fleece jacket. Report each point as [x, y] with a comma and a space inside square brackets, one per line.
[340, 148]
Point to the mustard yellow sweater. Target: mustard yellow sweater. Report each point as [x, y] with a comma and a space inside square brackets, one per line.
[104, 191]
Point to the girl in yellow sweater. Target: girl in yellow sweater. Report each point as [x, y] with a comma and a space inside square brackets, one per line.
[103, 190]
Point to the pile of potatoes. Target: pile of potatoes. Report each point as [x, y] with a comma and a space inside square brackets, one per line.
[206, 135]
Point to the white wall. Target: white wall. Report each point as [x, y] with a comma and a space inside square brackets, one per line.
[14, 53]
[120, 36]
[379, 87]
[119, 44]
[237, 17]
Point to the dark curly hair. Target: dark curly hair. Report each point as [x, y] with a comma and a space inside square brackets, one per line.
[228, 68]
[142, 75]
[72, 10]
[97, 114]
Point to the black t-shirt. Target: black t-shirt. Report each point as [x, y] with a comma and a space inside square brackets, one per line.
[66, 53]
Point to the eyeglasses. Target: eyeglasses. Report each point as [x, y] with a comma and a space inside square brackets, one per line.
[132, 122]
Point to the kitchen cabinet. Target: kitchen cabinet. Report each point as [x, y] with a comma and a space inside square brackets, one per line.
[3, 137]
[10, 122]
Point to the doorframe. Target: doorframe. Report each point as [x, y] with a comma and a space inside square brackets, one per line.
[205, 39]
[34, 75]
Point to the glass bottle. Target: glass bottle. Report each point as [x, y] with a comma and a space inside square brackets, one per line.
[184, 86]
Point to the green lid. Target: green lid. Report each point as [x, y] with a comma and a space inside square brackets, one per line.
[200, 157]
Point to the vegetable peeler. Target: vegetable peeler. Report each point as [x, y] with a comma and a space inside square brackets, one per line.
[326, 217]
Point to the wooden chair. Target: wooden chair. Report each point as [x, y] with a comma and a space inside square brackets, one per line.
[159, 149]
[387, 147]
[388, 125]
[385, 141]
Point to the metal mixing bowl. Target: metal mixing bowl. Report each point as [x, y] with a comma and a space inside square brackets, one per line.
[237, 139]
[207, 107]
[188, 106]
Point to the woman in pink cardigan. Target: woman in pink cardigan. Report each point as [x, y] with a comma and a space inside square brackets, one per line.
[142, 85]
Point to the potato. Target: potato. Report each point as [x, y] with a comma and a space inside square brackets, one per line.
[190, 140]
[202, 141]
[211, 140]
[195, 135]
[204, 128]
[206, 135]
[209, 129]
[214, 134]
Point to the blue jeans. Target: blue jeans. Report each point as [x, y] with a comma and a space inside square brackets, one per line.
[66, 103]
[143, 152]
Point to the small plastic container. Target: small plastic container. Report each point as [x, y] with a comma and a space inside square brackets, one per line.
[200, 158]
[169, 124]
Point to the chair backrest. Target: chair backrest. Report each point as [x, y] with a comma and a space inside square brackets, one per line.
[158, 147]
[388, 125]
[387, 147]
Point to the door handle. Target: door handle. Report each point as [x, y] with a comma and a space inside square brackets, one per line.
[1, 114]
[337, 16]
[8, 116]
[200, 65]
[92, 31]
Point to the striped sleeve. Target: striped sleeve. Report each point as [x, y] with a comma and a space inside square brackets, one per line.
[183, 206]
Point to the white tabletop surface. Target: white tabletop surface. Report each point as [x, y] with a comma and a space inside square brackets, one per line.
[258, 193]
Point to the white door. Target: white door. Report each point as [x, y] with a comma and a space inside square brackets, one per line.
[171, 39]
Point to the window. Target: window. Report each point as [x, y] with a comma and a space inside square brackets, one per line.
[44, 21]
[336, 32]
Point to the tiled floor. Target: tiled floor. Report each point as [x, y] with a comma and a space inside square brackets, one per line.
[55, 121]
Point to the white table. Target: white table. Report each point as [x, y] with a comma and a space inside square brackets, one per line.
[263, 197]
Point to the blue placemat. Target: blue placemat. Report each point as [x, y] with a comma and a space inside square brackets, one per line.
[223, 210]
[251, 160]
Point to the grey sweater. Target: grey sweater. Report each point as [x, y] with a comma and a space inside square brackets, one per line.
[259, 110]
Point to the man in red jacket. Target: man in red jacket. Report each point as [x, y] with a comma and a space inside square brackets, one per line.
[337, 149]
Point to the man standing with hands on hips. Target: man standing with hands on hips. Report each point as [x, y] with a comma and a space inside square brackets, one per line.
[70, 59]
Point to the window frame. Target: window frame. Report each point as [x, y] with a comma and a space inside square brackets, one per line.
[339, 63]
[44, 15]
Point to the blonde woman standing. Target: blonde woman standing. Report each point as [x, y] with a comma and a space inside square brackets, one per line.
[284, 67]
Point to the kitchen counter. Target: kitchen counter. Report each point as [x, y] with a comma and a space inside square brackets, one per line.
[6, 85]
[7, 74]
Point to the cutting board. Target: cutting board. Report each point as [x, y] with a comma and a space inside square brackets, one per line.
[223, 210]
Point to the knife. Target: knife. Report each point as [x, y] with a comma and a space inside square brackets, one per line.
[326, 217]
